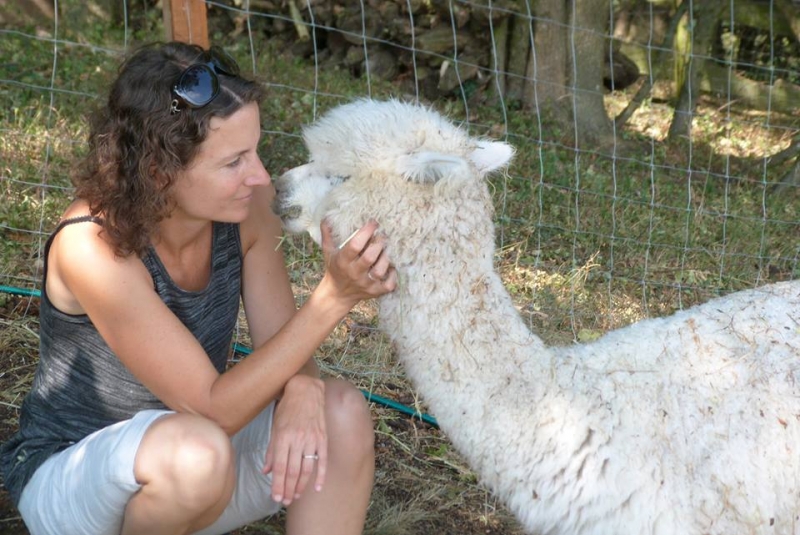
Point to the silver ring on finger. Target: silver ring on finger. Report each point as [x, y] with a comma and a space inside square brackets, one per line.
[369, 276]
[312, 456]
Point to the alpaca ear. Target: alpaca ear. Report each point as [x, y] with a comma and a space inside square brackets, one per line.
[431, 167]
[491, 155]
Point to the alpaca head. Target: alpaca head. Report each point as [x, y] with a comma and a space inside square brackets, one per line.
[386, 160]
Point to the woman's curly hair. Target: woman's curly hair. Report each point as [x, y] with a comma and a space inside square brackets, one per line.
[137, 146]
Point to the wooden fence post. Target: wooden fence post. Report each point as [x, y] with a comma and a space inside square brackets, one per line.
[186, 21]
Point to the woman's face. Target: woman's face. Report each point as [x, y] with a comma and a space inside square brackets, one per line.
[218, 185]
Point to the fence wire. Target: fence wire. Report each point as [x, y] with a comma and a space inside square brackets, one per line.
[637, 220]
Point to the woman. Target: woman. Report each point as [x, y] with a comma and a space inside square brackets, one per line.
[133, 423]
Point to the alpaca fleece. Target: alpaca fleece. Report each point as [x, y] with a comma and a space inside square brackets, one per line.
[688, 424]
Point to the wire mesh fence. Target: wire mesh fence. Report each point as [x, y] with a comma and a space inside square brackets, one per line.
[614, 202]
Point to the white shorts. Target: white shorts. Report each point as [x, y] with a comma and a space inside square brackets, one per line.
[85, 488]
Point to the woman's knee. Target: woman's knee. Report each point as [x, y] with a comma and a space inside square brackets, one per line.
[190, 455]
[349, 417]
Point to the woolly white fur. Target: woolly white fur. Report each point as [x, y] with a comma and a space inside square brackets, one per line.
[688, 424]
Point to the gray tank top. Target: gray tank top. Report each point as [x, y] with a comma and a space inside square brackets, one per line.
[80, 386]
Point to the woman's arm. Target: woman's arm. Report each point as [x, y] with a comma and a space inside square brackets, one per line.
[267, 294]
[118, 296]
[285, 338]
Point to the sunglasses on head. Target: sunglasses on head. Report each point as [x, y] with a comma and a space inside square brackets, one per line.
[199, 83]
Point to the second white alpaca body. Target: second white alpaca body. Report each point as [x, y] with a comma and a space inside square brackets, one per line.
[685, 425]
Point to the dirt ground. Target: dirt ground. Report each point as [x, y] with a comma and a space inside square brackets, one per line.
[421, 484]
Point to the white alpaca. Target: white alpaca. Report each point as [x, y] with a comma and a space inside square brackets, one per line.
[682, 425]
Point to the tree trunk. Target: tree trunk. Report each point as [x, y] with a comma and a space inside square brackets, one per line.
[790, 13]
[547, 68]
[588, 30]
[500, 55]
[519, 45]
[702, 29]
[658, 62]
[20, 12]
[791, 178]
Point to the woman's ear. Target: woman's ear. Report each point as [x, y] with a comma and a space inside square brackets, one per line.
[160, 179]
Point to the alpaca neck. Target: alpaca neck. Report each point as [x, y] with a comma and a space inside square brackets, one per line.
[456, 330]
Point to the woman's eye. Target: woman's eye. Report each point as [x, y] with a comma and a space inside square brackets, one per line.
[234, 163]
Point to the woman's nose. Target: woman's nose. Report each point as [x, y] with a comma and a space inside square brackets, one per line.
[260, 176]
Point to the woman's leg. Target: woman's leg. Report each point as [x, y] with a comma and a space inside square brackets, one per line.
[185, 464]
[341, 507]
[86, 487]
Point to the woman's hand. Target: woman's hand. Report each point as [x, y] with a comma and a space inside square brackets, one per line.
[298, 435]
[359, 268]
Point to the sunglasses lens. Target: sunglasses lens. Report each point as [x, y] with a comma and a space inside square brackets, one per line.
[197, 86]
[223, 62]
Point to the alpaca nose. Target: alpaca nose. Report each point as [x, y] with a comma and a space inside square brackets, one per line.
[281, 204]
[285, 210]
